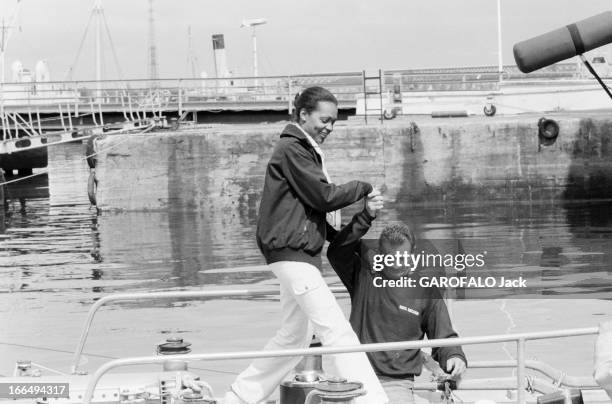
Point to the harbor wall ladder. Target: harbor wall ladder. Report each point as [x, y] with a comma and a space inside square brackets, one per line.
[376, 93]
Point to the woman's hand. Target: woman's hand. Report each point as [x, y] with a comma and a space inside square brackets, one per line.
[374, 202]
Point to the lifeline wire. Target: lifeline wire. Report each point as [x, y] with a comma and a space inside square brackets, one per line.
[100, 356]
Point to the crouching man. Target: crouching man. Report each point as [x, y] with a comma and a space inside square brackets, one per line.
[391, 314]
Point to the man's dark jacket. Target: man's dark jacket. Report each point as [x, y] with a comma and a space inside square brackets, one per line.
[292, 223]
[388, 314]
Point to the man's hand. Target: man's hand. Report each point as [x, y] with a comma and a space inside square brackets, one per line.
[455, 367]
[374, 202]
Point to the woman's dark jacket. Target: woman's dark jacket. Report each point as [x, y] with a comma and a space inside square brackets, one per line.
[296, 197]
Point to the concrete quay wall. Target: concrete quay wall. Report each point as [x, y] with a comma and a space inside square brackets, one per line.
[221, 169]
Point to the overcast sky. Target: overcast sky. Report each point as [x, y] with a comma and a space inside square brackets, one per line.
[307, 36]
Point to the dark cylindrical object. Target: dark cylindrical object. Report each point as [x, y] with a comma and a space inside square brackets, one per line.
[295, 392]
[336, 390]
[564, 43]
[174, 346]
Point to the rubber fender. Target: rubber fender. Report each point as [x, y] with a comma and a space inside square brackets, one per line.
[489, 110]
[548, 128]
[390, 113]
[92, 188]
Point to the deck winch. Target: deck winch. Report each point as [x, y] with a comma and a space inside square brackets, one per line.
[310, 385]
[194, 398]
[174, 346]
[322, 391]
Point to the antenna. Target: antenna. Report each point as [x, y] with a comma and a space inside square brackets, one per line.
[152, 47]
[254, 23]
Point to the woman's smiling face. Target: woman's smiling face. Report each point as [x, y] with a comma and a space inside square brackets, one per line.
[320, 122]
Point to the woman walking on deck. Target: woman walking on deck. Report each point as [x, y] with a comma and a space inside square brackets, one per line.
[291, 231]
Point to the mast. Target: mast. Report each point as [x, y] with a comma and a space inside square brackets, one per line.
[98, 48]
[500, 65]
[253, 23]
[152, 47]
[192, 60]
[254, 52]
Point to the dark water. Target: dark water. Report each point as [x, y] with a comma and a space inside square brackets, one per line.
[53, 240]
[57, 255]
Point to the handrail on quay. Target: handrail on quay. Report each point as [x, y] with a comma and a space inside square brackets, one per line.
[520, 338]
[195, 93]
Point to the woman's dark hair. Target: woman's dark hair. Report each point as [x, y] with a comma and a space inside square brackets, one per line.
[309, 98]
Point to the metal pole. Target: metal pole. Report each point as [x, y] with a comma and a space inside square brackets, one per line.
[520, 372]
[98, 8]
[180, 98]
[255, 58]
[93, 112]
[500, 64]
[100, 111]
[365, 97]
[15, 124]
[69, 116]
[290, 96]
[380, 89]
[61, 114]
[38, 120]
[77, 99]
[254, 53]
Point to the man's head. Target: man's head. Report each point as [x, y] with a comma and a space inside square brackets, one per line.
[396, 238]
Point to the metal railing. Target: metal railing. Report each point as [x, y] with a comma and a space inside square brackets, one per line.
[185, 94]
[520, 338]
[25, 106]
[174, 94]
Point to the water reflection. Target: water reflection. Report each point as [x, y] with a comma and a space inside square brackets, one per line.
[52, 240]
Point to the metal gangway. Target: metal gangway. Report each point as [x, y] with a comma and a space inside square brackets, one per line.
[46, 116]
[522, 384]
[39, 114]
